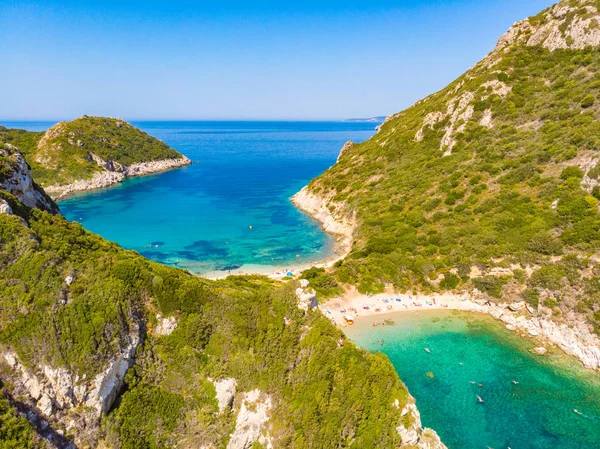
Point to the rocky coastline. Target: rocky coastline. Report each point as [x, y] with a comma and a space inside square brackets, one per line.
[415, 435]
[112, 174]
[331, 215]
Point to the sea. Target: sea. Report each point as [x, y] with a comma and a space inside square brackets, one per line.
[228, 212]
[529, 401]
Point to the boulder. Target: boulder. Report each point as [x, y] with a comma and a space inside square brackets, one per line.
[540, 350]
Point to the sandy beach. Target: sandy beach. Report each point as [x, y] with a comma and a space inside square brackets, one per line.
[359, 306]
[281, 271]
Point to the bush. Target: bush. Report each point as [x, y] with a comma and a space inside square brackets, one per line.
[450, 281]
[588, 101]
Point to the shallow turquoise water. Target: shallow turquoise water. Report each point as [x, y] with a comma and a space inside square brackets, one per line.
[535, 413]
[199, 217]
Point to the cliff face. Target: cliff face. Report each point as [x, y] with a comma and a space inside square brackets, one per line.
[16, 179]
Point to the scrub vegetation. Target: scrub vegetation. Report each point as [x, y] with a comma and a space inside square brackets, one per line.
[63, 154]
[326, 392]
[494, 174]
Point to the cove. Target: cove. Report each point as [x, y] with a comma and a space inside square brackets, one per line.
[230, 211]
[468, 349]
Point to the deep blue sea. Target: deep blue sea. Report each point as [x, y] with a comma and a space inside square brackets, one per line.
[230, 210]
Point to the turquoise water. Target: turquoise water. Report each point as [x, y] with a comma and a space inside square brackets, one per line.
[199, 217]
[535, 413]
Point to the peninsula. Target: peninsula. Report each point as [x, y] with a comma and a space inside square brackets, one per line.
[90, 153]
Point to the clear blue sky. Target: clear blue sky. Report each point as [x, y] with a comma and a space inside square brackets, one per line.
[239, 59]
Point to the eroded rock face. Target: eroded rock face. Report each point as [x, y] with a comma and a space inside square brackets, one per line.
[19, 182]
[329, 213]
[561, 26]
[307, 297]
[5, 207]
[165, 326]
[55, 389]
[252, 422]
[225, 389]
[415, 435]
[113, 173]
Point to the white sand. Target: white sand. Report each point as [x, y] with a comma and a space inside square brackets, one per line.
[360, 306]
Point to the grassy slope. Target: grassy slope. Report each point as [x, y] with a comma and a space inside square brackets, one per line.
[326, 392]
[424, 216]
[62, 159]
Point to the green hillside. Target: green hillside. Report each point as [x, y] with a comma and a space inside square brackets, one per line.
[62, 155]
[326, 393]
[497, 170]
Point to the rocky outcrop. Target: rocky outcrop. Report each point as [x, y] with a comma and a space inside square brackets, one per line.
[565, 25]
[5, 207]
[113, 173]
[17, 180]
[251, 422]
[307, 297]
[414, 435]
[225, 392]
[58, 389]
[345, 148]
[165, 326]
[332, 215]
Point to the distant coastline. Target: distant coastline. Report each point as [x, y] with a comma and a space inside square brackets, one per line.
[378, 119]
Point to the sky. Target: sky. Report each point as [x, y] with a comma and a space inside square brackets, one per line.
[239, 60]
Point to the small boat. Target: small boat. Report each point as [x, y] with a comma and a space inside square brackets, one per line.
[479, 399]
[427, 350]
[577, 411]
[515, 382]
[461, 363]
[472, 382]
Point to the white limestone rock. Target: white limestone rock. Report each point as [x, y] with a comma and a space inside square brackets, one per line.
[252, 422]
[307, 298]
[5, 207]
[19, 182]
[225, 389]
[540, 350]
[415, 435]
[45, 405]
[165, 326]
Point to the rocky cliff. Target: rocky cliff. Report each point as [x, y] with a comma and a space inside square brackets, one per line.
[16, 179]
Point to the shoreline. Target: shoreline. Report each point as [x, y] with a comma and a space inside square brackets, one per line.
[342, 231]
[277, 272]
[528, 322]
[109, 178]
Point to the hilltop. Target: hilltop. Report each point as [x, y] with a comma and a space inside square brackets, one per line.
[90, 152]
[488, 186]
